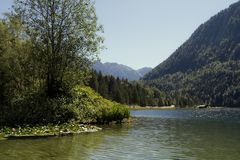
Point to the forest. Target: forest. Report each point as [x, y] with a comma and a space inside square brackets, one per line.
[135, 92]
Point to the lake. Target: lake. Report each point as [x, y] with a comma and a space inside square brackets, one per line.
[154, 134]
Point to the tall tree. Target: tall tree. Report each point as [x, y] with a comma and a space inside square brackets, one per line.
[66, 37]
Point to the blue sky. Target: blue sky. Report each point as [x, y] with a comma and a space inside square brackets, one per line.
[142, 33]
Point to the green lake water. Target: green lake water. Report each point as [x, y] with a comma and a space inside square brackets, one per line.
[153, 134]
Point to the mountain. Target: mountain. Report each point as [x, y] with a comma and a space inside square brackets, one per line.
[207, 66]
[121, 71]
[143, 71]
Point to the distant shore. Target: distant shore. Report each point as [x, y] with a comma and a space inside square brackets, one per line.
[152, 107]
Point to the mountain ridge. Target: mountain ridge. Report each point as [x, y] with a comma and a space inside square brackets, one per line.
[202, 34]
[120, 70]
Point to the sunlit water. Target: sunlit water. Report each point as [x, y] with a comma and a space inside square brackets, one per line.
[154, 134]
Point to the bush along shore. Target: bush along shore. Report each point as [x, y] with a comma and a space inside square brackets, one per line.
[66, 118]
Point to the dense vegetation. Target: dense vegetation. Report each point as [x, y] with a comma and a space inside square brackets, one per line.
[206, 67]
[45, 60]
[133, 93]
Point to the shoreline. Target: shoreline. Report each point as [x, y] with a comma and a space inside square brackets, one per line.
[152, 107]
[46, 131]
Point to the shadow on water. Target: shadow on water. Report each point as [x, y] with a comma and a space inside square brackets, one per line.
[176, 134]
[72, 147]
[77, 147]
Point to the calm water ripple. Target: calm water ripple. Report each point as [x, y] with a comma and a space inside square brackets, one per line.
[155, 134]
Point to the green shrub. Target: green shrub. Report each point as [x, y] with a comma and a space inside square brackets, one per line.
[36, 109]
[94, 108]
[84, 106]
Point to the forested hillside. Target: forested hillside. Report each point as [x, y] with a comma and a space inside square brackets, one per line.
[206, 67]
[134, 93]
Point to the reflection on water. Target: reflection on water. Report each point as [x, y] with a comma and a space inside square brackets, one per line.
[159, 134]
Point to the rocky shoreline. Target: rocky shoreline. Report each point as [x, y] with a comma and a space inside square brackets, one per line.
[45, 131]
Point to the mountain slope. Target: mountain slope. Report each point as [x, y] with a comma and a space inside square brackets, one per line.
[143, 71]
[206, 66]
[216, 40]
[121, 71]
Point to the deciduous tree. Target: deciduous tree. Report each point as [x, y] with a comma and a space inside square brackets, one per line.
[66, 38]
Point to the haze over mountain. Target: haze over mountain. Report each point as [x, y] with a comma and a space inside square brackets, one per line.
[143, 71]
[121, 71]
[207, 66]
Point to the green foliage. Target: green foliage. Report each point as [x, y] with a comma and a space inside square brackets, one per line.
[91, 107]
[15, 63]
[23, 97]
[84, 106]
[63, 49]
[35, 108]
[43, 57]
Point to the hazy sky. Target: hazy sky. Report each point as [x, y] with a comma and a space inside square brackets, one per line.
[142, 33]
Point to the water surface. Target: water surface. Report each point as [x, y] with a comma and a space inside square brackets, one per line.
[154, 134]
